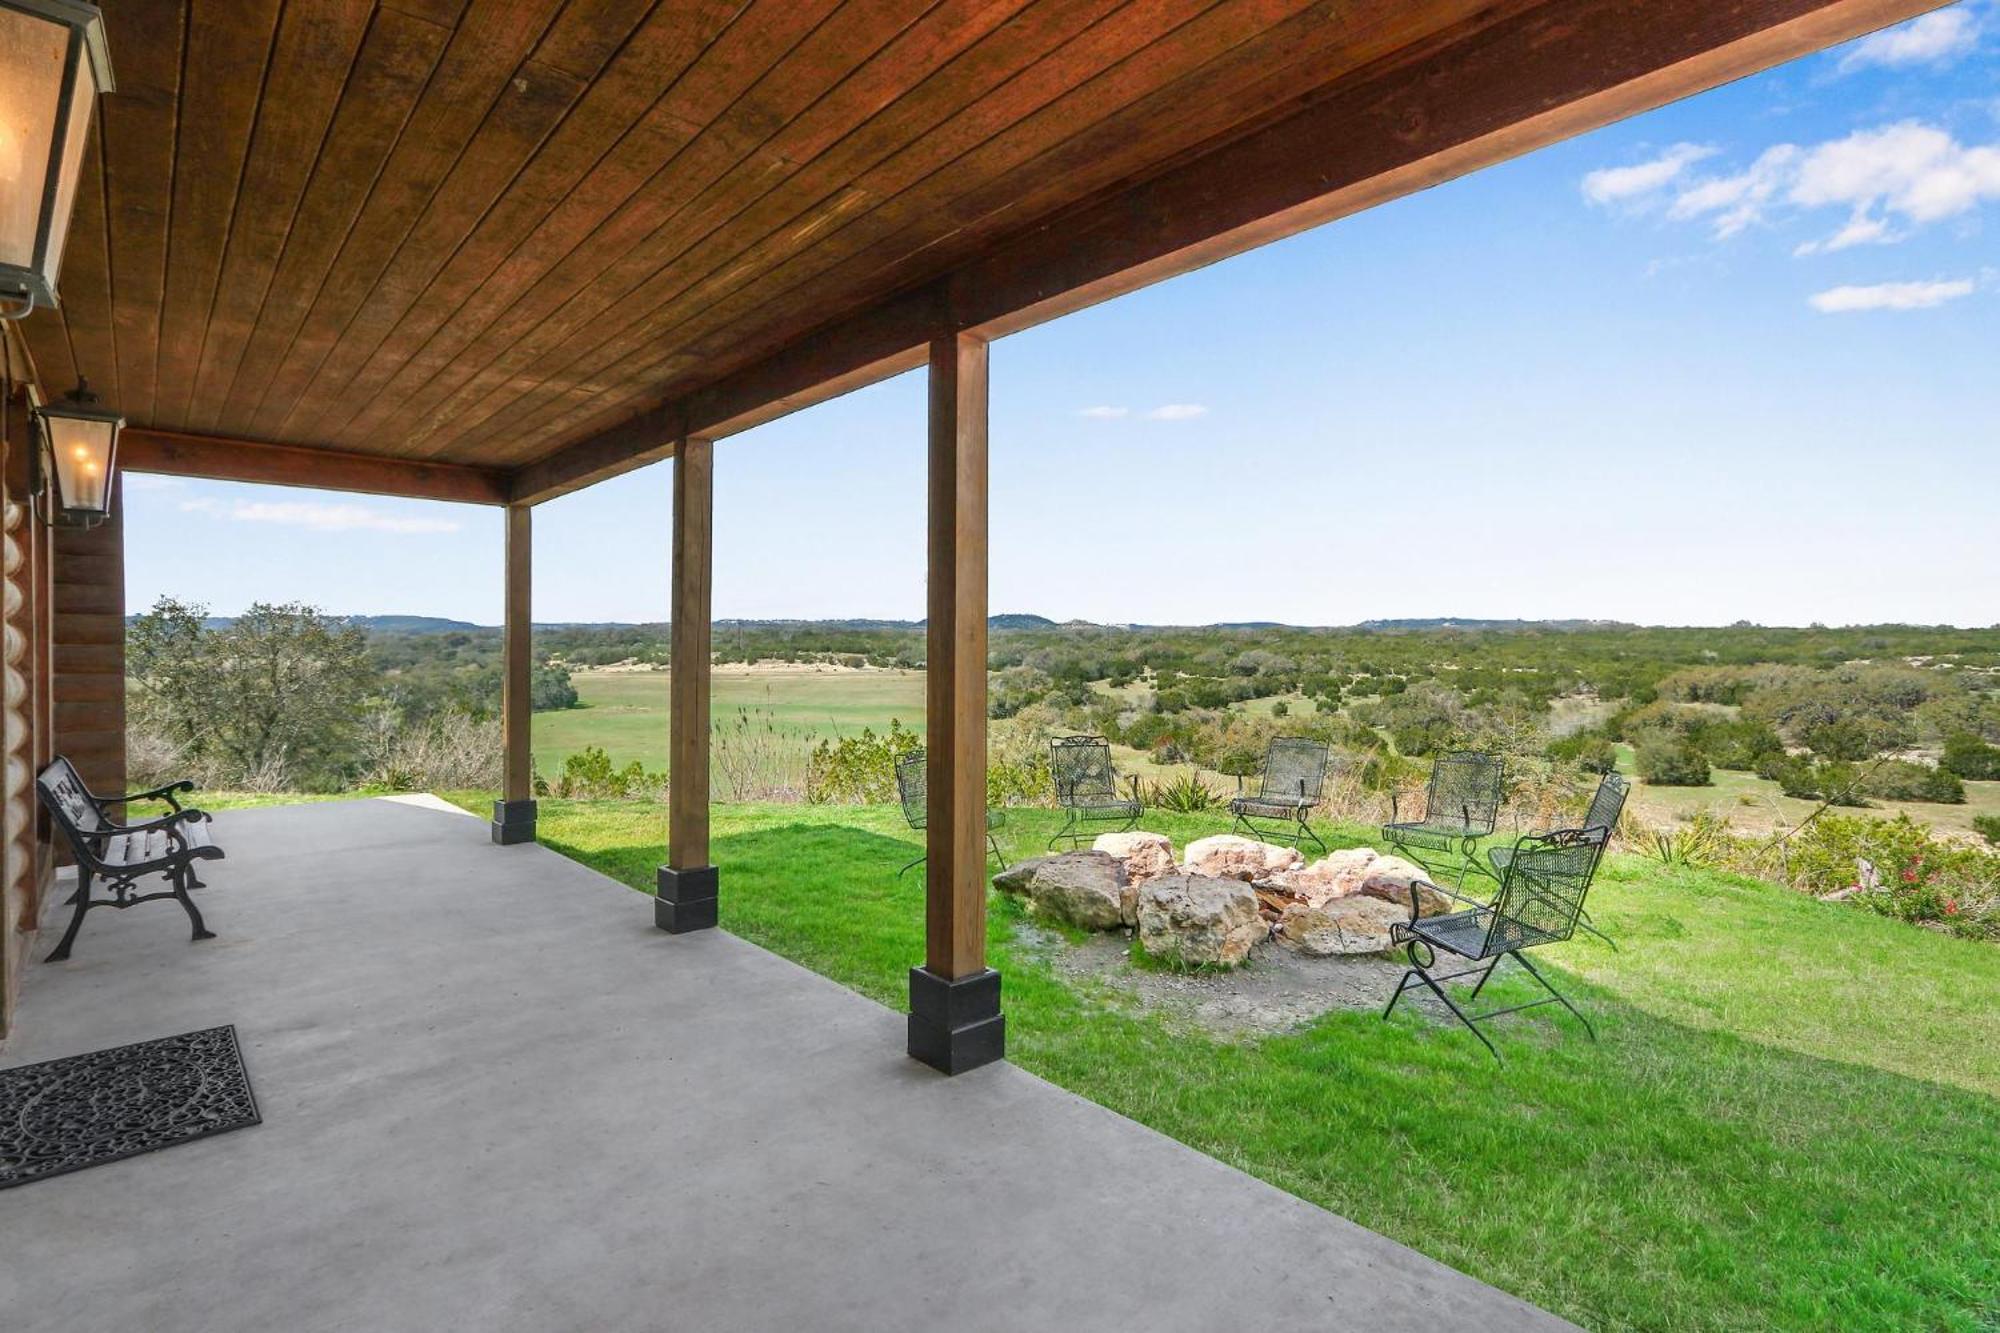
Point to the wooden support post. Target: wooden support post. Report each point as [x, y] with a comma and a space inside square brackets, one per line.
[955, 1020]
[514, 812]
[687, 883]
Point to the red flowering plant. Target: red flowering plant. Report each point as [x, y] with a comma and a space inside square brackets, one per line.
[1926, 879]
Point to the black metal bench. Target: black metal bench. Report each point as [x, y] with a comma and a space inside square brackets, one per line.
[121, 853]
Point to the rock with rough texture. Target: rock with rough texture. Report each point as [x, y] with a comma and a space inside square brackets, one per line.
[1430, 902]
[1227, 856]
[1147, 856]
[1357, 923]
[1199, 920]
[1333, 876]
[1087, 889]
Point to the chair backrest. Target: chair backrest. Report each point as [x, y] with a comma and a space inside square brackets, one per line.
[69, 804]
[912, 778]
[1081, 768]
[1466, 785]
[1541, 894]
[1607, 804]
[1294, 766]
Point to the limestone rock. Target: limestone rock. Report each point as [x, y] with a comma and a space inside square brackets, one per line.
[1087, 889]
[1227, 856]
[1147, 856]
[1430, 902]
[1356, 923]
[1333, 876]
[1199, 919]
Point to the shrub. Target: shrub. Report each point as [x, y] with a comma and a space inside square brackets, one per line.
[859, 770]
[1900, 780]
[1988, 827]
[1587, 750]
[1908, 873]
[589, 775]
[1666, 760]
[1970, 757]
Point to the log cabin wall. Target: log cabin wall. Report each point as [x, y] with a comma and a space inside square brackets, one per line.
[89, 666]
[26, 863]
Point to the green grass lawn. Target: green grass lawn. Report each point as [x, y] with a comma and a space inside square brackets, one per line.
[1792, 1118]
[625, 712]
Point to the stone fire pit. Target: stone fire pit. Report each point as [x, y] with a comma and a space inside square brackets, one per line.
[1225, 896]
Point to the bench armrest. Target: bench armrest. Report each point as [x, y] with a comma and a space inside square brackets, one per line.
[171, 823]
[165, 793]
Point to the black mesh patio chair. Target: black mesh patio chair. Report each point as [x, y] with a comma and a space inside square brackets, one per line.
[1087, 788]
[1540, 900]
[1607, 805]
[913, 787]
[1461, 806]
[1294, 771]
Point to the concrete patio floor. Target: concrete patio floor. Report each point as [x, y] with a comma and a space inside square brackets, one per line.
[496, 1097]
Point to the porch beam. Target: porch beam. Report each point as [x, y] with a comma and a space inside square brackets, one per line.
[955, 1021]
[687, 884]
[1492, 89]
[219, 458]
[514, 812]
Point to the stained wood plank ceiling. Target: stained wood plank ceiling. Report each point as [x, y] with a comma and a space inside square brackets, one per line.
[494, 232]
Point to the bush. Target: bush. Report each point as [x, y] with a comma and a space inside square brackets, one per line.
[588, 775]
[1970, 757]
[1895, 867]
[1588, 751]
[1899, 780]
[859, 770]
[1988, 827]
[1665, 760]
[1184, 793]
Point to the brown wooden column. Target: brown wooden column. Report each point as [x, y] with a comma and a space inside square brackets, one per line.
[687, 883]
[955, 1020]
[514, 812]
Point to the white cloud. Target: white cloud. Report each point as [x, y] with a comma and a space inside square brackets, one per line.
[1910, 170]
[1890, 296]
[318, 517]
[1610, 185]
[1860, 230]
[1932, 39]
[1104, 413]
[1177, 412]
[1739, 200]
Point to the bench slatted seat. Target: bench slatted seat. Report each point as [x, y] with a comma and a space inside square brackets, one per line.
[120, 854]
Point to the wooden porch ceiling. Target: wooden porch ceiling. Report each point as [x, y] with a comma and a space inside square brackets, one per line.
[531, 243]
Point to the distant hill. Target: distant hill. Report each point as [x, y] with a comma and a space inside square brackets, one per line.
[1471, 622]
[412, 624]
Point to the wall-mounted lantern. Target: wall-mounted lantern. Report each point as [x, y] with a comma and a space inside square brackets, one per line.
[82, 441]
[53, 65]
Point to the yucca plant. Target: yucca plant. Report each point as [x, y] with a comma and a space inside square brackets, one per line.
[1184, 793]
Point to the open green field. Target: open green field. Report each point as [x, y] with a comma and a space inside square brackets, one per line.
[1756, 804]
[1791, 1118]
[625, 712]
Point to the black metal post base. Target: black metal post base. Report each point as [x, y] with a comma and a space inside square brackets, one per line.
[956, 1025]
[686, 899]
[513, 822]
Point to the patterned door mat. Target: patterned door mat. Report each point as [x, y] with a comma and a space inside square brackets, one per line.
[85, 1110]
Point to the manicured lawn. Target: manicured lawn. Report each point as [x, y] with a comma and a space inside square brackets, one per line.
[1792, 1118]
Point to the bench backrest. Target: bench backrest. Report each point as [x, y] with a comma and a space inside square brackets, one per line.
[69, 804]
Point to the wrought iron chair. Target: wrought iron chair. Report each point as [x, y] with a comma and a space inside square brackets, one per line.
[1087, 788]
[1540, 900]
[1294, 771]
[913, 787]
[1607, 805]
[1461, 806]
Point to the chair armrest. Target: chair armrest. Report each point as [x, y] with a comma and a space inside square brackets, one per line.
[1134, 780]
[1395, 807]
[1239, 784]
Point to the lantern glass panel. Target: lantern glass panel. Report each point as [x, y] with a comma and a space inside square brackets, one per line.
[83, 100]
[32, 52]
[81, 447]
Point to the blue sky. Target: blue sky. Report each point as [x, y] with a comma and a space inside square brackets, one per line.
[1738, 358]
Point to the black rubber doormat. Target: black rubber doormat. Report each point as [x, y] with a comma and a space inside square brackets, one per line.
[85, 1110]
